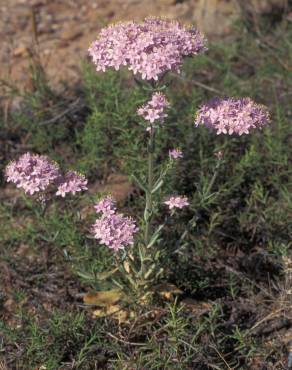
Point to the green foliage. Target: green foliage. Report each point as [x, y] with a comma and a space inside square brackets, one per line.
[111, 137]
[250, 200]
[50, 344]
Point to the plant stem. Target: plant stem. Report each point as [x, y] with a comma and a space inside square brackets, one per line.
[149, 200]
[211, 183]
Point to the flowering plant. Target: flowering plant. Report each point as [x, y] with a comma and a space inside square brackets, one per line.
[151, 49]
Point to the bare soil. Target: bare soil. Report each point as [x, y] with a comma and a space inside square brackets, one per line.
[64, 29]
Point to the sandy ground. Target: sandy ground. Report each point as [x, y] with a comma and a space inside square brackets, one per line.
[65, 28]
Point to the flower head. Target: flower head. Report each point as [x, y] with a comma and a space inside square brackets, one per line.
[106, 206]
[177, 202]
[219, 155]
[149, 48]
[37, 173]
[32, 172]
[231, 115]
[154, 109]
[72, 182]
[175, 153]
[115, 231]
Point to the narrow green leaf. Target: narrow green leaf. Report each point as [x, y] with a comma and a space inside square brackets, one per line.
[155, 236]
[157, 186]
[139, 183]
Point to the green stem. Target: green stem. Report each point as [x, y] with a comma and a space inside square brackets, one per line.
[149, 198]
[211, 183]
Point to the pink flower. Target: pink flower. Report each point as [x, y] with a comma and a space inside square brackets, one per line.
[114, 230]
[175, 154]
[72, 182]
[231, 115]
[154, 109]
[219, 154]
[150, 48]
[106, 206]
[37, 173]
[32, 172]
[177, 202]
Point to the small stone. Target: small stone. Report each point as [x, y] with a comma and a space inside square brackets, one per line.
[20, 51]
[70, 35]
[9, 305]
[118, 185]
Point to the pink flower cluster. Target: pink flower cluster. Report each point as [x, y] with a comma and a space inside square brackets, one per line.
[177, 202]
[154, 109]
[150, 48]
[32, 172]
[106, 206]
[113, 229]
[232, 115]
[175, 154]
[219, 155]
[71, 182]
[37, 173]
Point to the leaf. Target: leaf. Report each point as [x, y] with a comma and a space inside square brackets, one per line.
[85, 275]
[155, 236]
[150, 270]
[157, 186]
[167, 291]
[116, 312]
[139, 183]
[99, 276]
[127, 266]
[196, 307]
[146, 298]
[147, 215]
[103, 298]
[105, 275]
